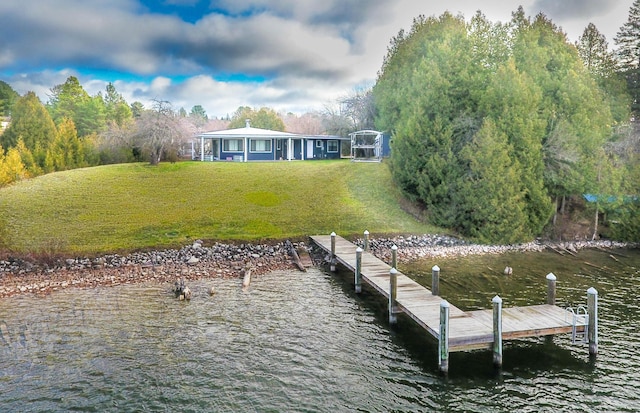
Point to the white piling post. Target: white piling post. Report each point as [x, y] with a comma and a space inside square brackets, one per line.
[443, 338]
[366, 240]
[358, 273]
[497, 331]
[551, 288]
[333, 252]
[393, 294]
[435, 280]
[394, 256]
[592, 309]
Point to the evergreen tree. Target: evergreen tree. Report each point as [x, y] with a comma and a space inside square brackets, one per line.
[594, 51]
[70, 100]
[492, 170]
[11, 167]
[30, 122]
[66, 151]
[445, 85]
[628, 41]
[8, 97]
[116, 108]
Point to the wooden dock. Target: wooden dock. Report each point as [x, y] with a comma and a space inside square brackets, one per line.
[464, 330]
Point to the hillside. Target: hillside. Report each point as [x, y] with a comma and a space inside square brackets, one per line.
[135, 206]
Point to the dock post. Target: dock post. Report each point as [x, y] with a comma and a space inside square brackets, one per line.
[497, 331]
[592, 309]
[366, 240]
[333, 252]
[443, 338]
[393, 294]
[551, 289]
[358, 273]
[394, 256]
[435, 280]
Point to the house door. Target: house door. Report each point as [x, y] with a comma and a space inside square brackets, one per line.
[281, 149]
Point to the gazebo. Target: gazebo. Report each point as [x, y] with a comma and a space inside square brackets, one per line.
[369, 146]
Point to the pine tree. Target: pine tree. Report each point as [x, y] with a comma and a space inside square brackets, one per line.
[628, 41]
[30, 122]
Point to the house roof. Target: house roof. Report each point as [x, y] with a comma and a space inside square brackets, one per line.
[250, 132]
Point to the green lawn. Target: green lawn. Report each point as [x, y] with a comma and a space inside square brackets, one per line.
[135, 206]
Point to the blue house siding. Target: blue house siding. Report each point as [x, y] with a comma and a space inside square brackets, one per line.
[254, 144]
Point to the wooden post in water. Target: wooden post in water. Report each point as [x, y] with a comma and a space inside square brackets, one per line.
[551, 289]
[435, 280]
[394, 256]
[393, 294]
[333, 252]
[358, 274]
[592, 309]
[497, 331]
[366, 240]
[443, 338]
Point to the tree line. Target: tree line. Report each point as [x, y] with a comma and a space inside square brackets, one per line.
[73, 129]
[495, 124]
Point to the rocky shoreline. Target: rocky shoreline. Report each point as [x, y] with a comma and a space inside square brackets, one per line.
[19, 275]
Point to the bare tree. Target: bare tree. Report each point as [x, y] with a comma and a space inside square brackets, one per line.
[159, 130]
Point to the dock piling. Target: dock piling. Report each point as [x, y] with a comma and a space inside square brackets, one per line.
[333, 252]
[358, 272]
[592, 309]
[366, 240]
[497, 331]
[393, 295]
[551, 289]
[435, 280]
[394, 256]
[443, 338]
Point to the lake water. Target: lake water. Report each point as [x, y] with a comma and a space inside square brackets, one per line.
[305, 342]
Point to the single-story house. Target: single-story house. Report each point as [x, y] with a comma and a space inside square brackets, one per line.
[255, 144]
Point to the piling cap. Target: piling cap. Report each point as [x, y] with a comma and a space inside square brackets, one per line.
[444, 303]
[394, 247]
[393, 271]
[497, 300]
[366, 232]
[333, 234]
[592, 291]
[359, 249]
[435, 268]
[551, 276]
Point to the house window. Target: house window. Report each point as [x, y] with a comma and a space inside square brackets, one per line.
[233, 145]
[332, 146]
[260, 145]
[319, 144]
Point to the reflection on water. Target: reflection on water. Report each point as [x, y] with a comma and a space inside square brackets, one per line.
[305, 342]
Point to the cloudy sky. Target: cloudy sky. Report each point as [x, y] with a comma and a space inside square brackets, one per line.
[290, 55]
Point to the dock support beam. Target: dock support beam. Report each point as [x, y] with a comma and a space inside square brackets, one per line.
[551, 289]
[394, 256]
[497, 331]
[366, 240]
[393, 295]
[333, 252]
[435, 280]
[592, 309]
[358, 273]
[443, 338]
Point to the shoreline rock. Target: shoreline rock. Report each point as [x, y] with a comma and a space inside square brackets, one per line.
[195, 261]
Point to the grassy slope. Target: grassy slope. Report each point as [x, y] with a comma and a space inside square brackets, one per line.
[134, 206]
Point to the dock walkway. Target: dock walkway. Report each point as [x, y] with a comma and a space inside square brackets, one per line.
[467, 330]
